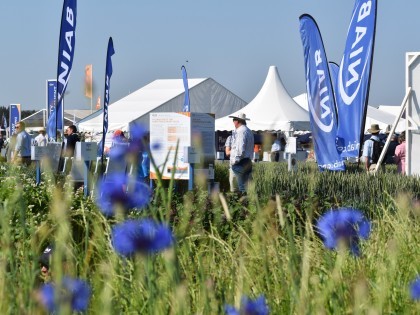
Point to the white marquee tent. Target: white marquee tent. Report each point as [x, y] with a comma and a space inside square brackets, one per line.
[272, 109]
[39, 119]
[381, 116]
[206, 96]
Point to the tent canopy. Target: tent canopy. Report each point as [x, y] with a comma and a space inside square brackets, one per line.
[383, 119]
[383, 116]
[206, 96]
[272, 109]
[39, 119]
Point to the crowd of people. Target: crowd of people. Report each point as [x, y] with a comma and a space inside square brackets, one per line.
[239, 149]
[395, 153]
[18, 147]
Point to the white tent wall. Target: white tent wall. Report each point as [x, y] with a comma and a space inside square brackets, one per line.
[272, 109]
[373, 116]
[206, 96]
[39, 119]
[394, 110]
[383, 119]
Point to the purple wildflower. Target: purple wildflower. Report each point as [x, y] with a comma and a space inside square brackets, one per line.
[137, 134]
[249, 307]
[119, 150]
[415, 289]
[116, 189]
[155, 146]
[231, 310]
[75, 292]
[344, 224]
[141, 236]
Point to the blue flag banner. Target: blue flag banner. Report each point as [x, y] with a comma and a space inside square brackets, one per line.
[320, 97]
[51, 127]
[186, 107]
[14, 113]
[51, 96]
[353, 79]
[66, 47]
[51, 104]
[108, 74]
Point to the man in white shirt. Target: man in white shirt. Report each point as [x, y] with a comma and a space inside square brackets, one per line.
[40, 139]
[242, 152]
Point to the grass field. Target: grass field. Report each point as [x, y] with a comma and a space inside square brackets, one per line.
[224, 248]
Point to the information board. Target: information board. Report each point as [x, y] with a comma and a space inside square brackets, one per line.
[169, 131]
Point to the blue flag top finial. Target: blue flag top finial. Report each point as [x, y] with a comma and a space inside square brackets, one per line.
[186, 107]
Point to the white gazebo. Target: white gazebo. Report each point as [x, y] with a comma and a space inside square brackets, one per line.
[272, 109]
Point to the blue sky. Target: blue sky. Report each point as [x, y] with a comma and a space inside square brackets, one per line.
[232, 41]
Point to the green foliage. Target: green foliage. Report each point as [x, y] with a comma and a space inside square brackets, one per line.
[264, 243]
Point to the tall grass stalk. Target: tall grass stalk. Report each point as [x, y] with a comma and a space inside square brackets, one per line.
[225, 247]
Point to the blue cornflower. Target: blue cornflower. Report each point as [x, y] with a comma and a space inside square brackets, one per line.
[231, 310]
[74, 291]
[344, 224]
[119, 150]
[137, 134]
[415, 289]
[141, 236]
[155, 146]
[249, 307]
[117, 189]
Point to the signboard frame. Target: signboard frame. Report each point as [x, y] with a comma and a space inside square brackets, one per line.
[412, 165]
[171, 133]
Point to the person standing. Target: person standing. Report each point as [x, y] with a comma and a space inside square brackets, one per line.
[72, 138]
[22, 154]
[399, 156]
[275, 149]
[390, 152]
[241, 152]
[368, 147]
[2, 153]
[40, 139]
[1, 141]
[119, 137]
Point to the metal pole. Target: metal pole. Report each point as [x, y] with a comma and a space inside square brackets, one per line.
[86, 178]
[391, 132]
